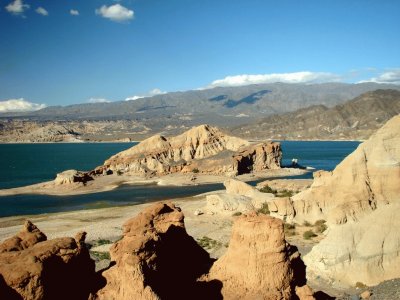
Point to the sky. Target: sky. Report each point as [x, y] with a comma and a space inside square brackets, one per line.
[72, 51]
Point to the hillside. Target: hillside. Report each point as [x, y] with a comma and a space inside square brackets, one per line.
[355, 119]
[173, 113]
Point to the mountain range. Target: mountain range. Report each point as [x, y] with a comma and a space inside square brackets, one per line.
[253, 111]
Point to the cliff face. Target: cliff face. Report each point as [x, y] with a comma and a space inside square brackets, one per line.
[360, 199]
[368, 178]
[204, 148]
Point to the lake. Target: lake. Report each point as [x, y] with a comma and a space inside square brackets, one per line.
[25, 164]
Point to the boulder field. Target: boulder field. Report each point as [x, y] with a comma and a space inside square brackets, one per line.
[156, 259]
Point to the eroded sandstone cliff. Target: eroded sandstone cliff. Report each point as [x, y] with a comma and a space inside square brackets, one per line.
[203, 149]
[360, 200]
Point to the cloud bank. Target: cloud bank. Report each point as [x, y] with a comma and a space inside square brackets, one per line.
[390, 77]
[116, 13]
[19, 105]
[296, 77]
[42, 11]
[17, 7]
[153, 92]
[98, 100]
[74, 12]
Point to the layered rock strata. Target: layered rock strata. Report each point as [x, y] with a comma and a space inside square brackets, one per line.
[366, 179]
[360, 200]
[203, 149]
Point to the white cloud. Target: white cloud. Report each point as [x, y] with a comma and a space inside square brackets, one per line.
[153, 92]
[17, 7]
[116, 12]
[295, 77]
[74, 12]
[42, 11]
[18, 105]
[98, 100]
[392, 77]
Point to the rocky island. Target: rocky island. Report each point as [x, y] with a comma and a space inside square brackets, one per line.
[202, 154]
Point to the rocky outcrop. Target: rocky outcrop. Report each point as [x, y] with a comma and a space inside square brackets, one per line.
[360, 199]
[228, 204]
[27, 237]
[259, 263]
[258, 157]
[368, 178]
[72, 176]
[367, 251]
[202, 149]
[33, 268]
[156, 258]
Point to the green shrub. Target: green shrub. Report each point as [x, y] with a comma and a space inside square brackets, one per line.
[267, 189]
[306, 223]
[285, 193]
[195, 170]
[360, 285]
[119, 172]
[320, 226]
[309, 234]
[209, 243]
[236, 214]
[100, 255]
[288, 226]
[264, 209]
[289, 229]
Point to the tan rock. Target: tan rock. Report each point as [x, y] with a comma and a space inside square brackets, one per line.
[259, 263]
[365, 295]
[258, 157]
[204, 148]
[72, 176]
[155, 259]
[27, 237]
[40, 269]
[237, 187]
[228, 204]
[366, 179]
[361, 200]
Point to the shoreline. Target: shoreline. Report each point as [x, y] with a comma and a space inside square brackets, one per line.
[138, 141]
[112, 182]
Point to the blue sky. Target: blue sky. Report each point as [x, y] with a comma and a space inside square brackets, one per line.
[114, 50]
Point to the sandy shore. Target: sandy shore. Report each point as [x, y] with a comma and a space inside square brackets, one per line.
[110, 182]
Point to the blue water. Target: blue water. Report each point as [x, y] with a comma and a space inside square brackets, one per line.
[26, 164]
[31, 163]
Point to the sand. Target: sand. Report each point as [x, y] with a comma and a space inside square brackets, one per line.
[110, 182]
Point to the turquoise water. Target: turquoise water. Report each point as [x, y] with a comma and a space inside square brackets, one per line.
[32, 163]
[25, 164]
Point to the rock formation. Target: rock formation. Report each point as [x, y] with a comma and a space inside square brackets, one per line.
[27, 237]
[360, 200]
[156, 259]
[72, 176]
[204, 149]
[33, 268]
[259, 263]
[228, 204]
[368, 178]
